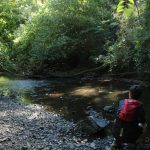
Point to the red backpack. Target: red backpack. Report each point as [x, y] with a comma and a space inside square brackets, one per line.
[128, 111]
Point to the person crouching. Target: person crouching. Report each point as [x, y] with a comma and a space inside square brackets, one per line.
[130, 119]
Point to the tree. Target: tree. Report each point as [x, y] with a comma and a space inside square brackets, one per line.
[13, 13]
[131, 50]
[72, 32]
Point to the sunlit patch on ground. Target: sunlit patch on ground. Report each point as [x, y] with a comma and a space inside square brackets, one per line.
[56, 95]
[105, 80]
[86, 91]
[4, 80]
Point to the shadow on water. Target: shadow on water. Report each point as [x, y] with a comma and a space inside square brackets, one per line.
[69, 97]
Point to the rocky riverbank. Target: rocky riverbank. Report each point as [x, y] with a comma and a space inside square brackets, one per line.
[31, 127]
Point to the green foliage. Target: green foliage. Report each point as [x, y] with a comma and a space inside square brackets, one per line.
[13, 13]
[131, 51]
[142, 42]
[10, 19]
[39, 34]
[73, 31]
[126, 6]
[120, 54]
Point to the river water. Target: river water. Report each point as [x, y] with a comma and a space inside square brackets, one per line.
[70, 97]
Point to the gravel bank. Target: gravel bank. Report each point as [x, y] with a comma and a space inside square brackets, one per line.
[33, 128]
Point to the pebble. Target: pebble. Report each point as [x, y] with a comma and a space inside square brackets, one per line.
[107, 148]
[92, 145]
[32, 127]
[109, 109]
[24, 147]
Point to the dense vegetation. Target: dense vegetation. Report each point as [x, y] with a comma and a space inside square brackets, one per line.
[43, 35]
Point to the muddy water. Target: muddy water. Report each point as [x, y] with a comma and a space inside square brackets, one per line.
[70, 97]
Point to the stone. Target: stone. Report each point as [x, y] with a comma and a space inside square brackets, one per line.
[107, 148]
[5, 139]
[92, 145]
[24, 147]
[98, 123]
[109, 109]
[37, 128]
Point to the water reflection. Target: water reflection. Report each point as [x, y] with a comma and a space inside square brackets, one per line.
[69, 97]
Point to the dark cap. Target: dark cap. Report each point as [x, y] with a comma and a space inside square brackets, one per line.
[136, 91]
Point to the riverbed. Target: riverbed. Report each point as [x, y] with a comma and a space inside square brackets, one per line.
[71, 98]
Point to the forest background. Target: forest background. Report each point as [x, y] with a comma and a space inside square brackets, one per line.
[40, 36]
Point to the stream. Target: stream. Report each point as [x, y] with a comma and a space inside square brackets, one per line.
[71, 98]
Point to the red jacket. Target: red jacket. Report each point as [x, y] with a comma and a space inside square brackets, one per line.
[128, 110]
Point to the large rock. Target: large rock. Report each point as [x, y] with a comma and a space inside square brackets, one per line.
[98, 123]
[96, 119]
